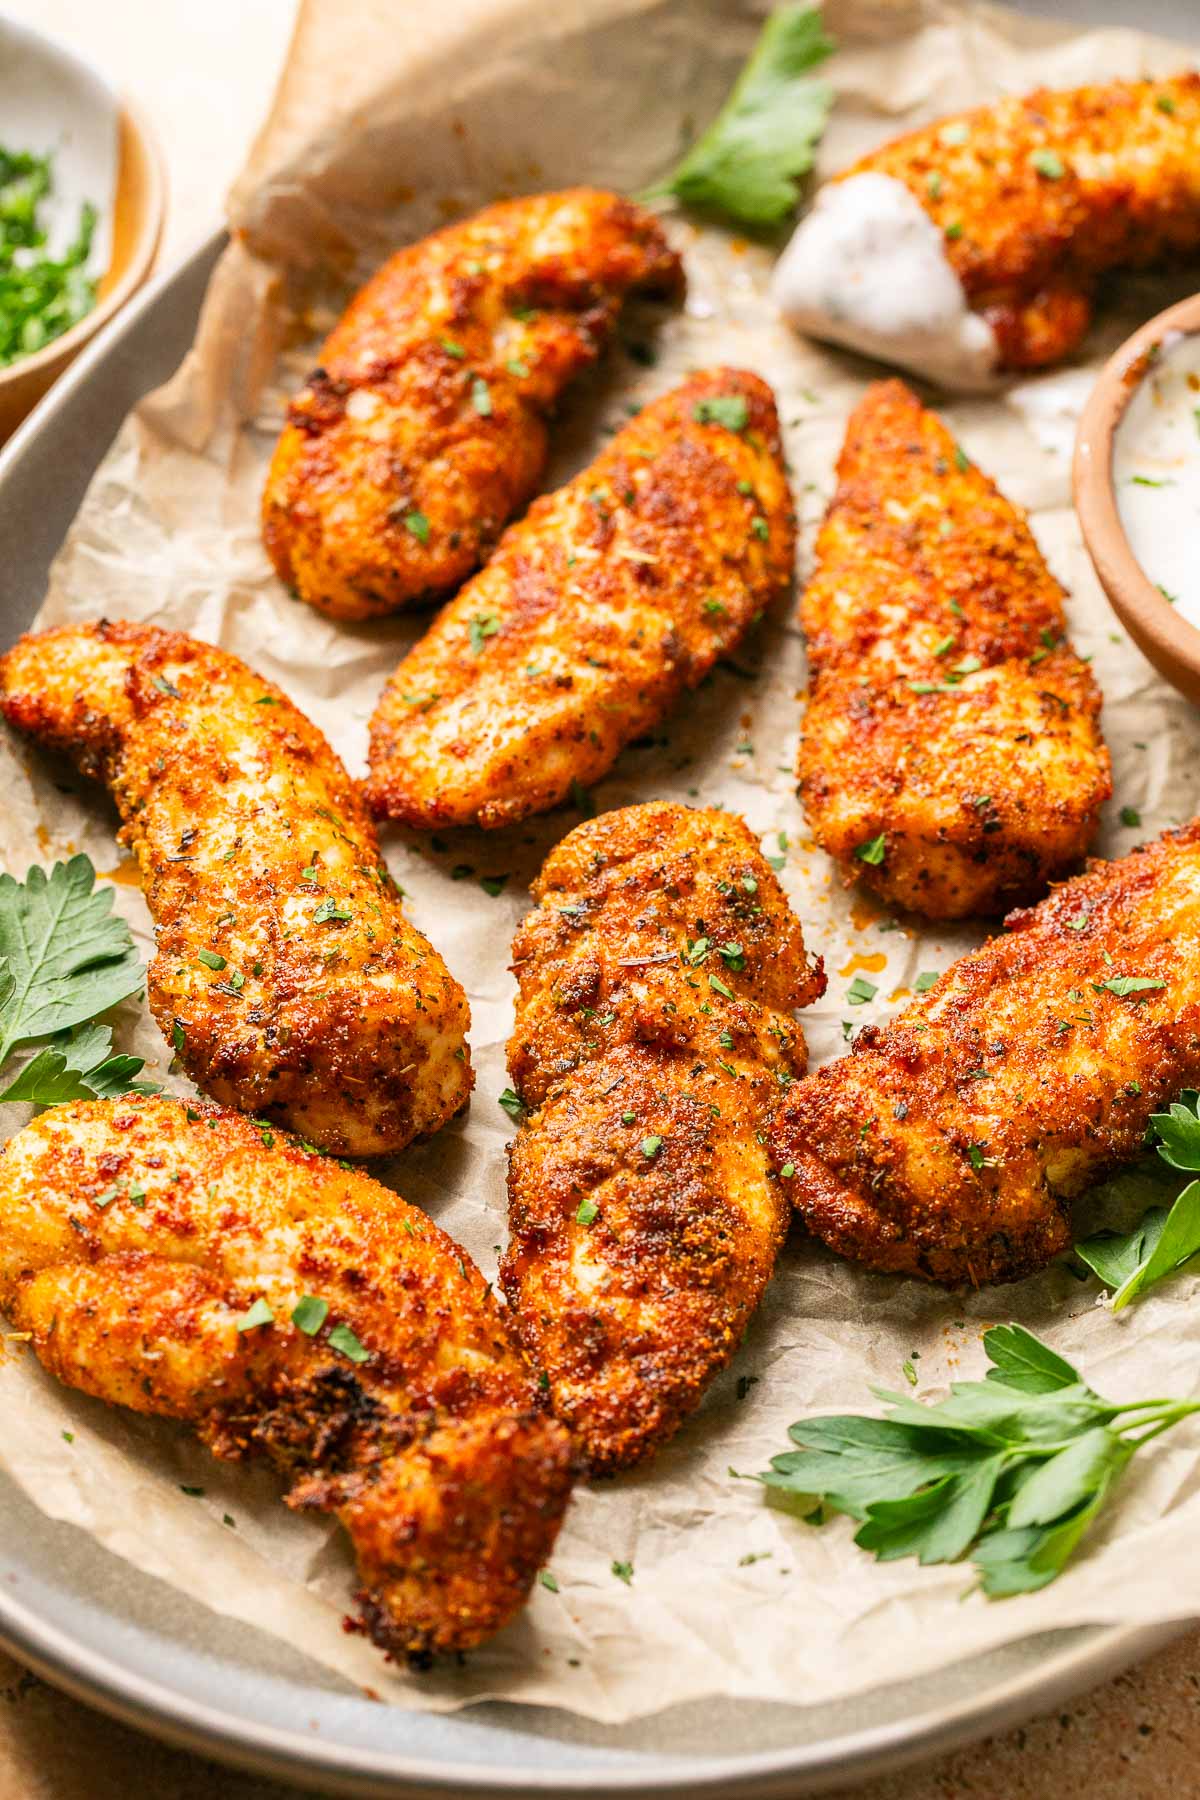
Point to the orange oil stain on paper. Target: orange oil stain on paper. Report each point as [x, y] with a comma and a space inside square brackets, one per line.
[126, 874]
[864, 912]
[870, 964]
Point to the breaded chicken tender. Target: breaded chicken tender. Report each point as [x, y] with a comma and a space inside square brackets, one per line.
[188, 1263]
[424, 428]
[951, 1141]
[974, 245]
[658, 977]
[287, 978]
[597, 611]
[951, 756]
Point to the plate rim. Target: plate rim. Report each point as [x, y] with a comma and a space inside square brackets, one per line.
[170, 1714]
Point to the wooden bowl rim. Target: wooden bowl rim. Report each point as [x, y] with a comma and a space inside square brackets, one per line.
[1169, 641]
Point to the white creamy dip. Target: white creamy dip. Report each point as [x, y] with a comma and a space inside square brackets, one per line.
[1156, 472]
[868, 268]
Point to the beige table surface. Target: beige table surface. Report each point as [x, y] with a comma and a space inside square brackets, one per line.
[204, 70]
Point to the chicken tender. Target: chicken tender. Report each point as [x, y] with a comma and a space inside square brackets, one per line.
[951, 756]
[951, 1142]
[287, 978]
[974, 245]
[654, 1029]
[424, 428]
[192, 1264]
[599, 609]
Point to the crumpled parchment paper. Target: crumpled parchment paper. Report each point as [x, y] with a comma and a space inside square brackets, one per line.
[377, 135]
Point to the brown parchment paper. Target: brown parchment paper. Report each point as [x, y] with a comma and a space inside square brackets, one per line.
[379, 133]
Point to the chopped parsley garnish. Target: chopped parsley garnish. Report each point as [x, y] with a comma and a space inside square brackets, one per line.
[651, 1146]
[41, 296]
[329, 909]
[1127, 984]
[586, 1212]
[309, 1314]
[623, 1571]
[493, 884]
[548, 1580]
[1048, 164]
[511, 1102]
[418, 524]
[210, 959]
[345, 1342]
[259, 1314]
[873, 851]
[481, 397]
[482, 627]
[925, 980]
[729, 410]
[860, 991]
[1130, 816]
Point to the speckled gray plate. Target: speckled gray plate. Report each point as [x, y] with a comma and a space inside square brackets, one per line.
[144, 1652]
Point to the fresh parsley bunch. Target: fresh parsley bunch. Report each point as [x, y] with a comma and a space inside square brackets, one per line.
[748, 165]
[1167, 1236]
[65, 957]
[1011, 1470]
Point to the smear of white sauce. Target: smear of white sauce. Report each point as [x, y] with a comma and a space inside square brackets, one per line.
[1156, 472]
[868, 268]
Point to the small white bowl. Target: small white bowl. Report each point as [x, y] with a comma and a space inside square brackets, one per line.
[51, 101]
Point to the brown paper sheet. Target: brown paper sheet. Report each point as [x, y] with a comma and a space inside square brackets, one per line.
[378, 135]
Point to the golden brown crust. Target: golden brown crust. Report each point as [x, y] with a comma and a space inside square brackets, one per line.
[597, 611]
[287, 977]
[950, 1143]
[1037, 195]
[135, 1233]
[948, 714]
[424, 427]
[658, 977]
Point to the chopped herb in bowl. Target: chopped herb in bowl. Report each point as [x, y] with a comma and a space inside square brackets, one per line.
[41, 296]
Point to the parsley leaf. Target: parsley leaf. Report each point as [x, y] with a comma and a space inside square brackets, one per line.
[748, 164]
[78, 1065]
[64, 955]
[1166, 1237]
[873, 851]
[1010, 1470]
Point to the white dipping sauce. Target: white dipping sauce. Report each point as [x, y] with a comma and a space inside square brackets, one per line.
[868, 268]
[1156, 472]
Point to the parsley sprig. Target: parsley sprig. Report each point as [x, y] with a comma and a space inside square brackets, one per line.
[1011, 1470]
[1166, 1236]
[65, 957]
[748, 165]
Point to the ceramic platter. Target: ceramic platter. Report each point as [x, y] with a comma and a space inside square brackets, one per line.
[144, 1652]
